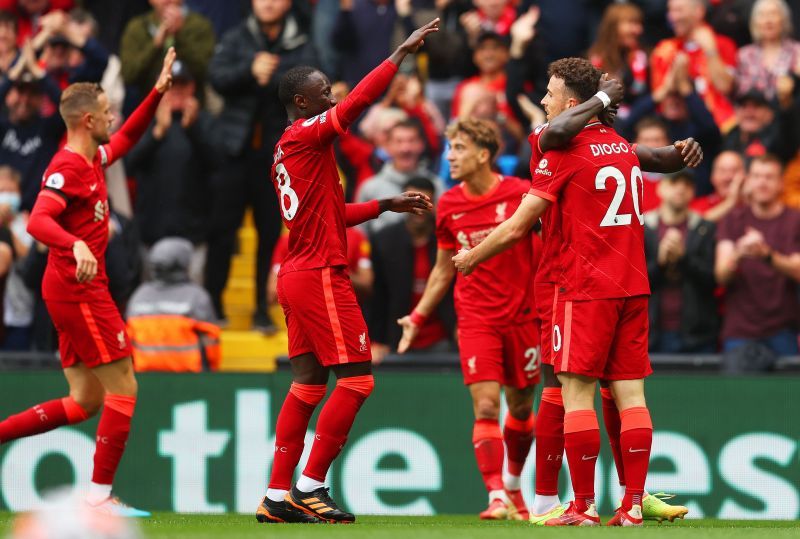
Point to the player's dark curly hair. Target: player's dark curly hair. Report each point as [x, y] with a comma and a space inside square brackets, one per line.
[292, 83]
[579, 75]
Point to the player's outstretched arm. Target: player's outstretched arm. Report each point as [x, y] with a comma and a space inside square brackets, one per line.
[377, 81]
[569, 123]
[134, 127]
[435, 289]
[408, 202]
[504, 236]
[682, 154]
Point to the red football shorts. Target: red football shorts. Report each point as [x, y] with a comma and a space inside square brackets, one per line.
[507, 354]
[603, 338]
[546, 299]
[91, 333]
[323, 316]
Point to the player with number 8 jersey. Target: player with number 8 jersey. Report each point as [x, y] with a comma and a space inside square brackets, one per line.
[327, 331]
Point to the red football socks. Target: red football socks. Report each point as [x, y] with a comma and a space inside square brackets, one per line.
[112, 435]
[549, 441]
[518, 435]
[290, 431]
[42, 418]
[635, 442]
[612, 422]
[335, 421]
[489, 452]
[582, 443]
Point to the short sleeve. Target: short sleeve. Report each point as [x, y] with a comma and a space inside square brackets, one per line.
[319, 130]
[62, 182]
[550, 175]
[360, 250]
[533, 140]
[444, 236]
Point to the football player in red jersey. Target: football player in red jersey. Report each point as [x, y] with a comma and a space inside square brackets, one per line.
[563, 125]
[600, 319]
[326, 329]
[497, 331]
[71, 217]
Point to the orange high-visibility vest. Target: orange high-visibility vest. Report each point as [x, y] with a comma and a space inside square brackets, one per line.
[175, 343]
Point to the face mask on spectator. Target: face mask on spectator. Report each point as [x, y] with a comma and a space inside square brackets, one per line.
[10, 199]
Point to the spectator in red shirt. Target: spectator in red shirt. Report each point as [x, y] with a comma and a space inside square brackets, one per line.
[711, 58]
[495, 16]
[727, 177]
[29, 13]
[758, 261]
[8, 40]
[617, 50]
[484, 95]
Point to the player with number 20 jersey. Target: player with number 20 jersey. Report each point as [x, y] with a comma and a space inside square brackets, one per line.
[597, 184]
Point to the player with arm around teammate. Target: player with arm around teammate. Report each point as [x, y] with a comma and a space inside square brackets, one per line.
[564, 123]
[599, 282]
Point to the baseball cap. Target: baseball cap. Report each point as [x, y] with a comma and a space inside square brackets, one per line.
[753, 96]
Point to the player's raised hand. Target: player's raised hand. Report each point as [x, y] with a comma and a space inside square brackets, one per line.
[691, 152]
[612, 87]
[408, 202]
[417, 38]
[609, 115]
[410, 332]
[463, 263]
[164, 81]
[85, 262]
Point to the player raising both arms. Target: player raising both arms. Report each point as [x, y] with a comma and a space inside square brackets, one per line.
[327, 331]
[564, 123]
[71, 217]
[497, 333]
[600, 321]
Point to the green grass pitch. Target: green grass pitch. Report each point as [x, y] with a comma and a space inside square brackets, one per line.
[173, 526]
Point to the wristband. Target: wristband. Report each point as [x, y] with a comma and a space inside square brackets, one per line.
[602, 96]
[417, 318]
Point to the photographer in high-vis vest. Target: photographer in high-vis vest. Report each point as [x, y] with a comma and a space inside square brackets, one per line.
[171, 321]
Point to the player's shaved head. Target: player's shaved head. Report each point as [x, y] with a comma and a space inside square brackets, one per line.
[482, 133]
[580, 77]
[78, 99]
[294, 82]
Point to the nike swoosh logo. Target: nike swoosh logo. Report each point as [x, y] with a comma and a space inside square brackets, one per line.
[93, 187]
[588, 458]
[632, 450]
[457, 216]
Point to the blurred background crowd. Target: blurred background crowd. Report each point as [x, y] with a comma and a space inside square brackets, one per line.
[723, 241]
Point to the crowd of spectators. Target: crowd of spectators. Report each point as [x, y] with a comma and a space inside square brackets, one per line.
[723, 241]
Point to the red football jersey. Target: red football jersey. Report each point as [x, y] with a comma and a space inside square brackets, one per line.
[597, 185]
[501, 289]
[548, 264]
[358, 251]
[310, 196]
[82, 186]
